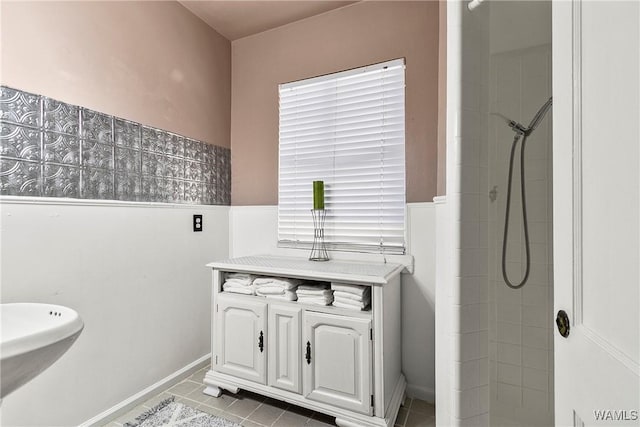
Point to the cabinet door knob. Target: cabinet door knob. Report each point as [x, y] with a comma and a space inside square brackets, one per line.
[308, 355]
[261, 342]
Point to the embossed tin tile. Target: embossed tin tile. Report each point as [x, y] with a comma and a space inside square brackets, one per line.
[97, 184]
[128, 160]
[193, 149]
[61, 181]
[174, 145]
[209, 154]
[96, 126]
[19, 107]
[209, 194]
[128, 187]
[193, 192]
[61, 148]
[174, 190]
[152, 164]
[153, 139]
[60, 117]
[174, 167]
[127, 133]
[153, 189]
[19, 142]
[193, 170]
[96, 155]
[19, 178]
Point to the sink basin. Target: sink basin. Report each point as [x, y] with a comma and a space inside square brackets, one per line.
[33, 336]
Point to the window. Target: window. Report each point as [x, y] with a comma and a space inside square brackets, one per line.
[346, 129]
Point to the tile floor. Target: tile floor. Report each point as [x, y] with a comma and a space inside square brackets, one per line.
[253, 410]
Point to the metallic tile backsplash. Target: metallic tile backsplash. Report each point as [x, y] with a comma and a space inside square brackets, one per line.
[52, 149]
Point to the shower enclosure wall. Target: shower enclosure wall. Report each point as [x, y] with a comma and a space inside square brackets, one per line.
[499, 343]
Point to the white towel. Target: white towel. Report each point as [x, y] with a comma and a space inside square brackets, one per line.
[315, 293]
[287, 296]
[239, 276]
[357, 306]
[271, 290]
[352, 289]
[246, 290]
[319, 286]
[239, 281]
[277, 281]
[350, 296]
[315, 300]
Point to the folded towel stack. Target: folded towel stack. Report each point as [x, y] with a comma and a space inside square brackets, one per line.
[315, 294]
[354, 297]
[276, 287]
[239, 283]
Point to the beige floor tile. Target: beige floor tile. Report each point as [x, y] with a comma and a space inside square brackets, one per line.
[198, 377]
[417, 419]
[291, 419]
[266, 414]
[199, 396]
[209, 410]
[401, 419]
[221, 402]
[321, 420]
[183, 388]
[423, 407]
[231, 417]
[243, 407]
[249, 423]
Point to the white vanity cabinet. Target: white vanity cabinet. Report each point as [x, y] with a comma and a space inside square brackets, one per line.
[341, 362]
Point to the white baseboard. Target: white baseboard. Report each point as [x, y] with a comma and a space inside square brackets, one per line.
[133, 401]
[422, 393]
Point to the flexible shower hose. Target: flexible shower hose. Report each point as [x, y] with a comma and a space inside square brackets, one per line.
[524, 214]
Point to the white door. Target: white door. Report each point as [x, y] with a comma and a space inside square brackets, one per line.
[284, 349]
[337, 361]
[241, 338]
[596, 52]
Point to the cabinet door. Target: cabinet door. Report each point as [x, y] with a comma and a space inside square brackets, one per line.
[241, 338]
[337, 361]
[284, 349]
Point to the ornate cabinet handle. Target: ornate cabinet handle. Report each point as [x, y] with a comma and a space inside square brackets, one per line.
[308, 356]
[261, 342]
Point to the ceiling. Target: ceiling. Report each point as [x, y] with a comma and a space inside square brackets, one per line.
[237, 19]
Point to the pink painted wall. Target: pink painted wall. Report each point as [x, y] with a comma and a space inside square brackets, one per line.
[151, 62]
[360, 34]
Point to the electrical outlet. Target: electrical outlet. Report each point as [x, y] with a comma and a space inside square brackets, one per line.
[197, 223]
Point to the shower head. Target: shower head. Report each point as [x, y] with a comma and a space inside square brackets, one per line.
[521, 129]
[540, 115]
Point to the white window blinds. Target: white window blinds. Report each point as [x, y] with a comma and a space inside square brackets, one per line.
[346, 129]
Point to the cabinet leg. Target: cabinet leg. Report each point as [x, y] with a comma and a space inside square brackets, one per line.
[213, 391]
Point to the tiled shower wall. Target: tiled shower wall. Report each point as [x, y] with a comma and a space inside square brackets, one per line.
[520, 320]
[52, 149]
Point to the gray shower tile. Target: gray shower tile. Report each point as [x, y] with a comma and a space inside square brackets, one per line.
[21, 107]
[223, 175]
[153, 189]
[61, 117]
[96, 155]
[193, 150]
[20, 178]
[193, 170]
[153, 164]
[126, 133]
[19, 142]
[174, 190]
[174, 167]
[97, 184]
[61, 181]
[97, 126]
[174, 145]
[209, 154]
[208, 172]
[127, 160]
[153, 139]
[61, 148]
[193, 192]
[128, 186]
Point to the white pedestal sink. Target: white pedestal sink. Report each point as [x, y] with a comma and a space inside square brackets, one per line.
[33, 336]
